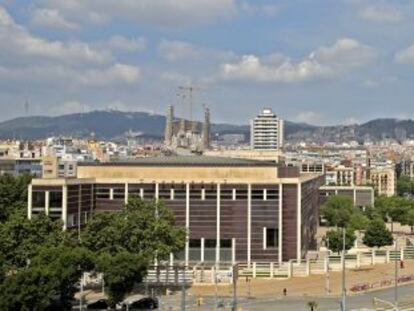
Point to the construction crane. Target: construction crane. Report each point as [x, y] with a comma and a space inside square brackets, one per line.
[187, 92]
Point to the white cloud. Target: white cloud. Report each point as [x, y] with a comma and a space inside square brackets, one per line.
[17, 41]
[310, 117]
[174, 50]
[122, 43]
[177, 50]
[381, 14]
[165, 13]
[405, 56]
[176, 77]
[324, 62]
[118, 73]
[52, 19]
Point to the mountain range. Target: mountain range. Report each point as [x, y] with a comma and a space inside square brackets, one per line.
[114, 124]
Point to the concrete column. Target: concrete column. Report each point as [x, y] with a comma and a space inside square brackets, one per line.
[157, 191]
[126, 193]
[202, 249]
[233, 250]
[299, 225]
[307, 267]
[218, 211]
[272, 270]
[254, 269]
[111, 194]
[280, 242]
[355, 196]
[65, 206]
[358, 260]
[249, 223]
[187, 223]
[29, 201]
[47, 202]
[141, 193]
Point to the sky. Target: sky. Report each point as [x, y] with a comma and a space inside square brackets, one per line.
[321, 62]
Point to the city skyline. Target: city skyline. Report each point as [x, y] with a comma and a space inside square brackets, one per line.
[319, 62]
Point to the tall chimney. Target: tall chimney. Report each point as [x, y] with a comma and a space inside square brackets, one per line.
[169, 126]
[206, 129]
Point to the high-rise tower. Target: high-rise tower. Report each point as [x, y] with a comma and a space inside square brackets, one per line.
[267, 131]
[206, 129]
[169, 126]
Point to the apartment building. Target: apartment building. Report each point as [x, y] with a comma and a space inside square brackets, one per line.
[383, 179]
[266, 131]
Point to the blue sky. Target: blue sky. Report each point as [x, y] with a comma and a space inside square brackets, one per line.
[314, 61]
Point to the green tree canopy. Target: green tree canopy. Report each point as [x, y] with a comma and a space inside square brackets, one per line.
[121, 271]
[404, 185]
[33, 288]
[21, 238]
[338, 210]
[335, 239]
[377, 234]
[13, 194]
[142, 228]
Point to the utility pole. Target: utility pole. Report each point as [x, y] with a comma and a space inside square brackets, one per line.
[235, 278]
[183, 291]
[343, 270]
[328, 286]
[397, 258]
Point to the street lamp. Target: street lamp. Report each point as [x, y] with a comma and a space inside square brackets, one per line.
[343, 270]
[396, 273]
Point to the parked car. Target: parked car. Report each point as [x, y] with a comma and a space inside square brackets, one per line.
[146, 303]
[101, 304]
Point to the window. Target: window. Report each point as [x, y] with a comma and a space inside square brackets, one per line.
[55, 199]
[103, 193]
[38, 199]
[118, 193]
[195, 243]
[210, 243]
[225, 243]
[271, 237]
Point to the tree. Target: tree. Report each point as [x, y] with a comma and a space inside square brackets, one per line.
[393, 209]
[32, 288]
[21, 238]
[127, 242]
[121, 272]
[66, 264]
[149, 226]
[335, 238]
[409, 220]
[313, 305]
[404, 185]
[13, 194]
[49, 282]
[358, 221]
[338, 210]
[377, 234]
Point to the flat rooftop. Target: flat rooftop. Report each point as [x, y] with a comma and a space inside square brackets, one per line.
[184, 161]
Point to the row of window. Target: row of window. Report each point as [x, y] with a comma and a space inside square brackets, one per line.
[180, 194]
[39, 199]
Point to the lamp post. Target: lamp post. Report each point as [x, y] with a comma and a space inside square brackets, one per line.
[396, 274]
[343, 270]
[328, 289]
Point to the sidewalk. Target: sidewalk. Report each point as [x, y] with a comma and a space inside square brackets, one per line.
[314, 285]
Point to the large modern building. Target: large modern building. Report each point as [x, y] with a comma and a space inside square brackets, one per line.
[266, 131]
[234, 210]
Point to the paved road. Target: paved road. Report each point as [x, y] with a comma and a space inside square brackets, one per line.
[359, 302]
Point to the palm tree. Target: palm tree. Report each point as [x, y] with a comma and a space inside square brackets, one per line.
[313, 305]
